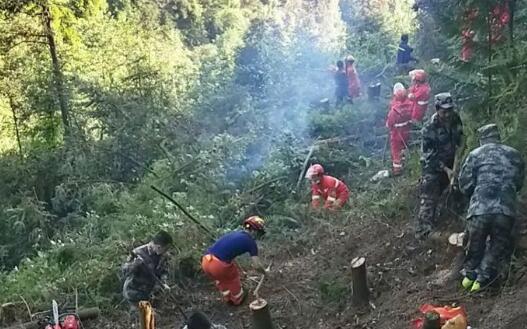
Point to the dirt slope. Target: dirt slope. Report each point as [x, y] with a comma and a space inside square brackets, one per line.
[309, 283]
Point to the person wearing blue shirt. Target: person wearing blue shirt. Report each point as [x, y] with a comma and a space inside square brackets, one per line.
[404, 54]
[218, 262]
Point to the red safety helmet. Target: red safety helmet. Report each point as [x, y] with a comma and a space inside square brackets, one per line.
[254, 223]
[314, 170]
[418, 75]
[400, 95]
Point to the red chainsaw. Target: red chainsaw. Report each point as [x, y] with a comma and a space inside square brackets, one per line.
[61, 321]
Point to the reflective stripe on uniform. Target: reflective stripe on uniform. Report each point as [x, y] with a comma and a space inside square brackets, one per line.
[397, 165]
[422, 102]
[315, 197]
[331, 199]
[226, 293]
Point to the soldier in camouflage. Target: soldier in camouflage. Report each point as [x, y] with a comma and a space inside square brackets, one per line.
[491, 176]
[145, 269]
[442, 144]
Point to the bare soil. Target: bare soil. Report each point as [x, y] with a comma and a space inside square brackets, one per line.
[309, 283]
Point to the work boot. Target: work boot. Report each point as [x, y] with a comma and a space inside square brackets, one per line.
[467, 283]
[476, 286]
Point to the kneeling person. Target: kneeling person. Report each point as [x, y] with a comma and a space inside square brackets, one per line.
[326, 190]
[218, 262]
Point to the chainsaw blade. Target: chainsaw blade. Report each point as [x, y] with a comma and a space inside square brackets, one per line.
[55, 312]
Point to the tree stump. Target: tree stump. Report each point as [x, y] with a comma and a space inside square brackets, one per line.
[432, 320]
[360, 293]
[261, 314]
[8, 313]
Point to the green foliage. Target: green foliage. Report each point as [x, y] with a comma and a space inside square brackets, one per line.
[333, 289]
[217, 103]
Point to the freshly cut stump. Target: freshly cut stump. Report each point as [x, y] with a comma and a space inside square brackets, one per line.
[261, 314]
[360, 293]
[432, 320]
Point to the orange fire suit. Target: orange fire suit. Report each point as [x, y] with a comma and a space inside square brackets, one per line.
[399, 123]
[499, 18]
[226, 277]
[353, 81]
[333, 191]
[419, 96]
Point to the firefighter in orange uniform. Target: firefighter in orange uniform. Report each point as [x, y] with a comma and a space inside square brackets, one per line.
[353, 78]
[399, 121]
[419, 94]
[218, 262]
[326, 191]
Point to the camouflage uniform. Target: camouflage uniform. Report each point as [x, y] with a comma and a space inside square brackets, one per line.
[491, 175]
[139, 271]
[439, 147]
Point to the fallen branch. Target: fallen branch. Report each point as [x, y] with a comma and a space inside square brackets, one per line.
[254, 189]
[257, 290]
[27, 307]
[169, 198]
[304, 166]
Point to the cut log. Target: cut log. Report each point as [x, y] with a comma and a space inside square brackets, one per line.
[359, 284]
[89, 313]
[261, 314]
[8, 313]
[432, 320]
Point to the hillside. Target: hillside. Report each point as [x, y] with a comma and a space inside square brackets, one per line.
[221, 105]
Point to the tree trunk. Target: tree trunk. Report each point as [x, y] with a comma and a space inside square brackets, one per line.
[57, 72]
[14, 107]
[359, 283]
[261, 314]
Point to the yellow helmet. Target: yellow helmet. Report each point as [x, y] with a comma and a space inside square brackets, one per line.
[254, 223]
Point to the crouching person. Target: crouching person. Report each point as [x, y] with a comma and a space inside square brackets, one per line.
[218, 262]
[491, 176]
[145, 269]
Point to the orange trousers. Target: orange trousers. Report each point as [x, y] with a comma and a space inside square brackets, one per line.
[226, 276]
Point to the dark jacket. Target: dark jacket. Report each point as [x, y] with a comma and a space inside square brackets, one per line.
[404, 53]
[491, 176]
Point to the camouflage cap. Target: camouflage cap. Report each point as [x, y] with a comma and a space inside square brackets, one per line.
[489, 131]
[444, 101]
